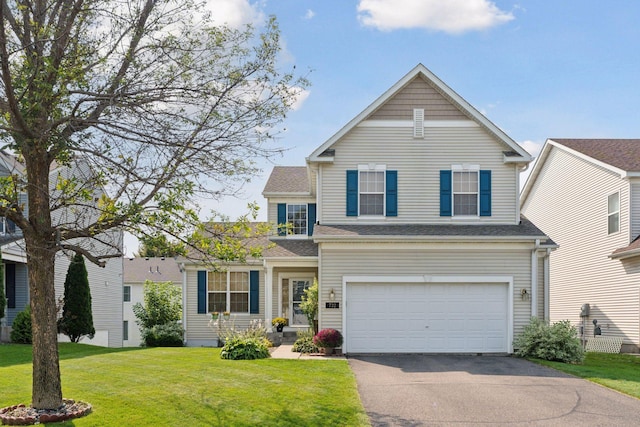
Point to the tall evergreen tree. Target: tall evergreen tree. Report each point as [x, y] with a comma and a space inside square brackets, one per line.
[77, 318]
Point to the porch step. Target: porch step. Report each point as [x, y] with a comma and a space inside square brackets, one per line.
[285, 337]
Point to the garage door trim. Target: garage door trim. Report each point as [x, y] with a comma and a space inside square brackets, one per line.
[426, 279]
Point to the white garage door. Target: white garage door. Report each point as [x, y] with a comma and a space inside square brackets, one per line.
[427, 318]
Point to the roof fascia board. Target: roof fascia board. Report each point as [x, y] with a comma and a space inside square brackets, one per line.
[450, 93]
[434, 238]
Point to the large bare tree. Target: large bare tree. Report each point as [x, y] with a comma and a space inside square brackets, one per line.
[162, 105]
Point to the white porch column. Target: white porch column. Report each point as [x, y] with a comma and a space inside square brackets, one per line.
[268, 295]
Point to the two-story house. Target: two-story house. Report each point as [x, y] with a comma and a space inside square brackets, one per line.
[586, 194]
[105, 283]
[409, 218]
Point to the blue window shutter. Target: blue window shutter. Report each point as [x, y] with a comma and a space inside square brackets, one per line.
[282, 219]
[352, 193]
[485, 193]
[445, 193]
[254, 292]
[202, 292]
[311, 218]
[10, 275]
[392, 193]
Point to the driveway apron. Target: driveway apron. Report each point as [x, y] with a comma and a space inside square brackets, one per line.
[452, 390]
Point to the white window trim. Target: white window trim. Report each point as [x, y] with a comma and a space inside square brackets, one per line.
[609, 214]
[298, 236]
[465, 168]
[373, 167]
[228, 291]
[124, 293]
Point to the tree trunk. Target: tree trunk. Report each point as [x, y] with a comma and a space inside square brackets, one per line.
[46, 392]
[46, 387]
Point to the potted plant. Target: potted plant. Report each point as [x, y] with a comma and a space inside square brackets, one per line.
[226, 315]
[328, 340]
[215, 315]
[279, 323]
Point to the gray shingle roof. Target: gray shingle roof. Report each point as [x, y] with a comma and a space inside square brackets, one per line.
[524, 229]
[291, 248]
[621, 153]
[288, 179]
[156, 269]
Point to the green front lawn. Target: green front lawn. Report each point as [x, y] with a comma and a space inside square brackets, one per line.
[617, 371]
[191, 386]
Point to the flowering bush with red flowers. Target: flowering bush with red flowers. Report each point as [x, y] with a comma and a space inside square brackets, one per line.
[328, 338]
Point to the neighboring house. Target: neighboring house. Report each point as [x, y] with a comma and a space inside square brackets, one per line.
[105, 283]
[586, 194]
[409, 218]
[136, 272]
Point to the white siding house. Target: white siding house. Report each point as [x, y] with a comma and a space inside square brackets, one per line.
[585, 194]
[409, 218]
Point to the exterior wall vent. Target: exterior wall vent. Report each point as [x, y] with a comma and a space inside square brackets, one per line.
[418, 122]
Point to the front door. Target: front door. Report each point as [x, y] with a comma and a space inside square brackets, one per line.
[298, 318]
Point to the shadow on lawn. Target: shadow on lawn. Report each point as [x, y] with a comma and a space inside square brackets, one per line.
[19, 354]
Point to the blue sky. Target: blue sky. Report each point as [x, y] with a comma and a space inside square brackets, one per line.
[537, 69]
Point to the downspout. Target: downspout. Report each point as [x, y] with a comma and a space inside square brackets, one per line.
[534, 279]
[184, 300]
[546, 285]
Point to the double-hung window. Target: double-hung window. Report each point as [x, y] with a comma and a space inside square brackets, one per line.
[372, 190]
[613, 213]
[465, 191]
[297, 217]
[228, 291]
[126, 293]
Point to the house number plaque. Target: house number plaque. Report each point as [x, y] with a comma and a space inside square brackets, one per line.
[333, 304]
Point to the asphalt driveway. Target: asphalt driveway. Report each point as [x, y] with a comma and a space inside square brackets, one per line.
[441, 390]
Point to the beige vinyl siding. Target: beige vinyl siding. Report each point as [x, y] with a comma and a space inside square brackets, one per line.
[569, 203]
[462, 259]
[198, 329]
[418, 162]
[417, 94]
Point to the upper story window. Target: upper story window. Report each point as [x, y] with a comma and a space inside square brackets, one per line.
[297, 217]
[126, 293]
[613, 213]
[465, 192]
[371, 192]
[228, 291]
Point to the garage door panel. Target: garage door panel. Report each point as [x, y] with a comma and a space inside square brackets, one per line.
[438, 318]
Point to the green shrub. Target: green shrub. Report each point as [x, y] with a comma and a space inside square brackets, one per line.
[304, 342]
[21, 328]
[241, 348]
[558, 342]
[77, 318]
[167, 335]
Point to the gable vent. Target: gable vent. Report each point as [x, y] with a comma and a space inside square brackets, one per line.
[418, 122]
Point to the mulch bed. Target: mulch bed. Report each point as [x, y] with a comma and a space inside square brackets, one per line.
[22, 415]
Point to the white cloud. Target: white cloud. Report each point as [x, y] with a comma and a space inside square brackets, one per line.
[449, 16]
[235, 13]
[310, 14]
[532, 147]
[301, 96]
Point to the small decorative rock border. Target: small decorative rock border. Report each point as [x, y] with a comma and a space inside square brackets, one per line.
[22, 415]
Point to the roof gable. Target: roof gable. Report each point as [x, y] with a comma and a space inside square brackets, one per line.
[620, 156]
[439, 90]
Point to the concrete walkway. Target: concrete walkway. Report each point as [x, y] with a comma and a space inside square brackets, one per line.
[283, 351]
